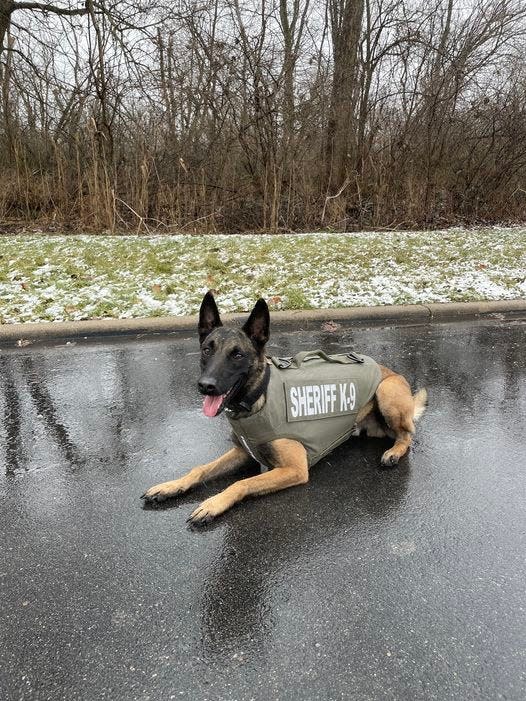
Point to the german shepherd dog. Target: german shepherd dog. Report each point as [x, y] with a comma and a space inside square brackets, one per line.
[233, 367]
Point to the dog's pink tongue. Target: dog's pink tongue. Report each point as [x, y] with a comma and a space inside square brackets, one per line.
[211, 405]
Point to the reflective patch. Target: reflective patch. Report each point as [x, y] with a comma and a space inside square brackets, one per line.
[320, 400]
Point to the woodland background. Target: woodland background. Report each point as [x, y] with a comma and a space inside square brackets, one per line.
[281, 115]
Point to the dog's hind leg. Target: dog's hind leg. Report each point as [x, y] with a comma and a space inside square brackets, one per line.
[289, 459]
[229, 462]
[397, 406]
[371, 424]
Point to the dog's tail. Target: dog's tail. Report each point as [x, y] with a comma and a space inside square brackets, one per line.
[420, 400]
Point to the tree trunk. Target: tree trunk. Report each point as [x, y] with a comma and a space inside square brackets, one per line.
[6, 42]
[6, 7]
[288, 73]
[346, 20]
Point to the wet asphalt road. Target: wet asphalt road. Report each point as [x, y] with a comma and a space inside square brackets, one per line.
[364, 584]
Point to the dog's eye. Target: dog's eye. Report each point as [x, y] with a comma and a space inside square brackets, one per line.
[237, 354]
[205, 351]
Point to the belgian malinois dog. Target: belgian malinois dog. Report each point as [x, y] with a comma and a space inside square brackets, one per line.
[234, 376]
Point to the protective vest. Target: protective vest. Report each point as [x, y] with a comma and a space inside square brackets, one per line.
[312, 398]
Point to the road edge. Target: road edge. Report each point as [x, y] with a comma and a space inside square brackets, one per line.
[283, 320]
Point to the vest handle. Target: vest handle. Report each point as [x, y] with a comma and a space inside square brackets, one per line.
[296, 361]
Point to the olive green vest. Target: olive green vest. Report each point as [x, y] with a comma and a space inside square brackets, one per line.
[312, 398]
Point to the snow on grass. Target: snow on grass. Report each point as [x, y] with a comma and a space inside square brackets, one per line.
[57, 278]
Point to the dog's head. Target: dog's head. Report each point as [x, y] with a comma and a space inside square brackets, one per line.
[232, 360]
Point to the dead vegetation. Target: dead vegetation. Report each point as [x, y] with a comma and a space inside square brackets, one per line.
[293, 116]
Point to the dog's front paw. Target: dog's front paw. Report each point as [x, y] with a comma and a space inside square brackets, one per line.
[163, 491]
[208, 510]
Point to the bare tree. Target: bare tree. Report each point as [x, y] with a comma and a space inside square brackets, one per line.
[225, 115]
[9, 7]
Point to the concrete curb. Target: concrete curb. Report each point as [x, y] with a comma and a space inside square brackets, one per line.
[286, 320]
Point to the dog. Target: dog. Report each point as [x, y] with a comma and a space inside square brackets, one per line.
[235, 377]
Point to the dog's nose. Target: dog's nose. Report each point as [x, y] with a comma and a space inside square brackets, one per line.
[207, 385]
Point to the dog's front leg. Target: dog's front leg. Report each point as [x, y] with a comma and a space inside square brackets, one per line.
[290, 469]
[229, 462]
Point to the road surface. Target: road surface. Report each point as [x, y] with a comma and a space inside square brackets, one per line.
[364, 584]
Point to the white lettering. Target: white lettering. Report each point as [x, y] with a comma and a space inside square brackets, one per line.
[327, 397]
[302, 401]
[333, 397]
[308, 394]
[343, 397]
[294, 402]
[317, 393]
[352, 389]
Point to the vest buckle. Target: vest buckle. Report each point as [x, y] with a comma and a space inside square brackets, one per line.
[353, 356]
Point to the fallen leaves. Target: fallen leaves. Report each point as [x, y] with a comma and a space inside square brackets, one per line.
[330, 326]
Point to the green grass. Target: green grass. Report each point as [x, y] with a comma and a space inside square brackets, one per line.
[295, 299]
[79, 277]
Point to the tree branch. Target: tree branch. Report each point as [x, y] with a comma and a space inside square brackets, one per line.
[44, 7]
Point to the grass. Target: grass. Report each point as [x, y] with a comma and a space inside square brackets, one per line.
[51, 278]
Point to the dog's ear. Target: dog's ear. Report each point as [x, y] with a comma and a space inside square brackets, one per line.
[209, 318]
[257, 326]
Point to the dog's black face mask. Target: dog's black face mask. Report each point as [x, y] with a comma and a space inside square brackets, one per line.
[231, 359]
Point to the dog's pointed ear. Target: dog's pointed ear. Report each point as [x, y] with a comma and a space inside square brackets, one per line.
[209, 318]
[257, 326]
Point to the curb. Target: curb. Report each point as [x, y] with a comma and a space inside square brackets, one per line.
[286, 320]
